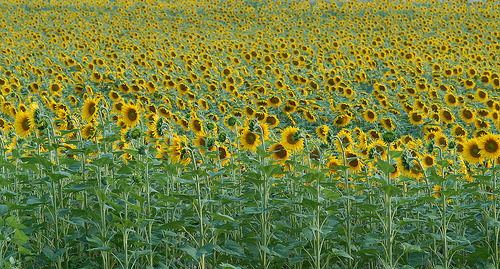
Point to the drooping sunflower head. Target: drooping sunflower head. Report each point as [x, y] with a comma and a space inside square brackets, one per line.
[353, 161]
[279, 152]
[322, 131]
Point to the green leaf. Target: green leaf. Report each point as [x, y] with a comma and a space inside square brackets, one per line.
[491, 221]
[338, 252]
[390, 190]
[49, 253]
[229, 266]
[103, 160]
[20, 236]
[331, 195]
[310, 203]
[233, 248]
[23, 250]
[411, 248]
[271, 169]
[3, 210]
[220, 216]
[385, 167]
[99, 249]
[252, 210]
[395, 153]
[189, 249]
[125, 170]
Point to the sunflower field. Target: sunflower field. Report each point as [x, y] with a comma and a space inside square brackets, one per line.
[249, 134]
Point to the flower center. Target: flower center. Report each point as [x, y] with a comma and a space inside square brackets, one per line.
[251, 138]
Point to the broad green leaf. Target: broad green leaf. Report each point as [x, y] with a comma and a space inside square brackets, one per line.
[233, 248]
[220, 216]
[390, 190]
[331, 195]
[338, 252]
[20, 236]
[411, 248]
[385, 167]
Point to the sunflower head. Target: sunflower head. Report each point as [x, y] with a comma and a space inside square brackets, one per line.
[130, 114]
[471, 151]
[291, 139]
[489, 146]
[24, 124]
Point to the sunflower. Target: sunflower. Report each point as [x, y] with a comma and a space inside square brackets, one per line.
[290, 139]
[451, 100]
[370, 116]
[446, 116]
[481, 124]
[89, 110]
[24, 124]
[341, 120]
[437, 191]
[481, 95]
[387, 123]
[131, 114]
[459, 131]
[331, 164]
[201, 143]
[377, 149]
[178, 152]
[471, 152]
[114, 96]
[224, 155]
[353, 161]
[272, 121]
[489, 146]
[249, 140]
[309, 116]
[274, 101]
[441, 140]
[279, 152]
[322, 131]
[469, 84]
[467, 115]
[88, 131]
[416, 118]
[96, 77]
[196, 125]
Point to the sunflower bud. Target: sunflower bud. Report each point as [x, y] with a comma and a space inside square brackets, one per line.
[405, 159]
[210, 143]
[430, 146]
[389, 137]
[211, 125]
[222, 137]
[161, 127]
[231, 121]
[252, 126]
[133, 133]
[137, 178]
[143, 150]
[452, 144]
